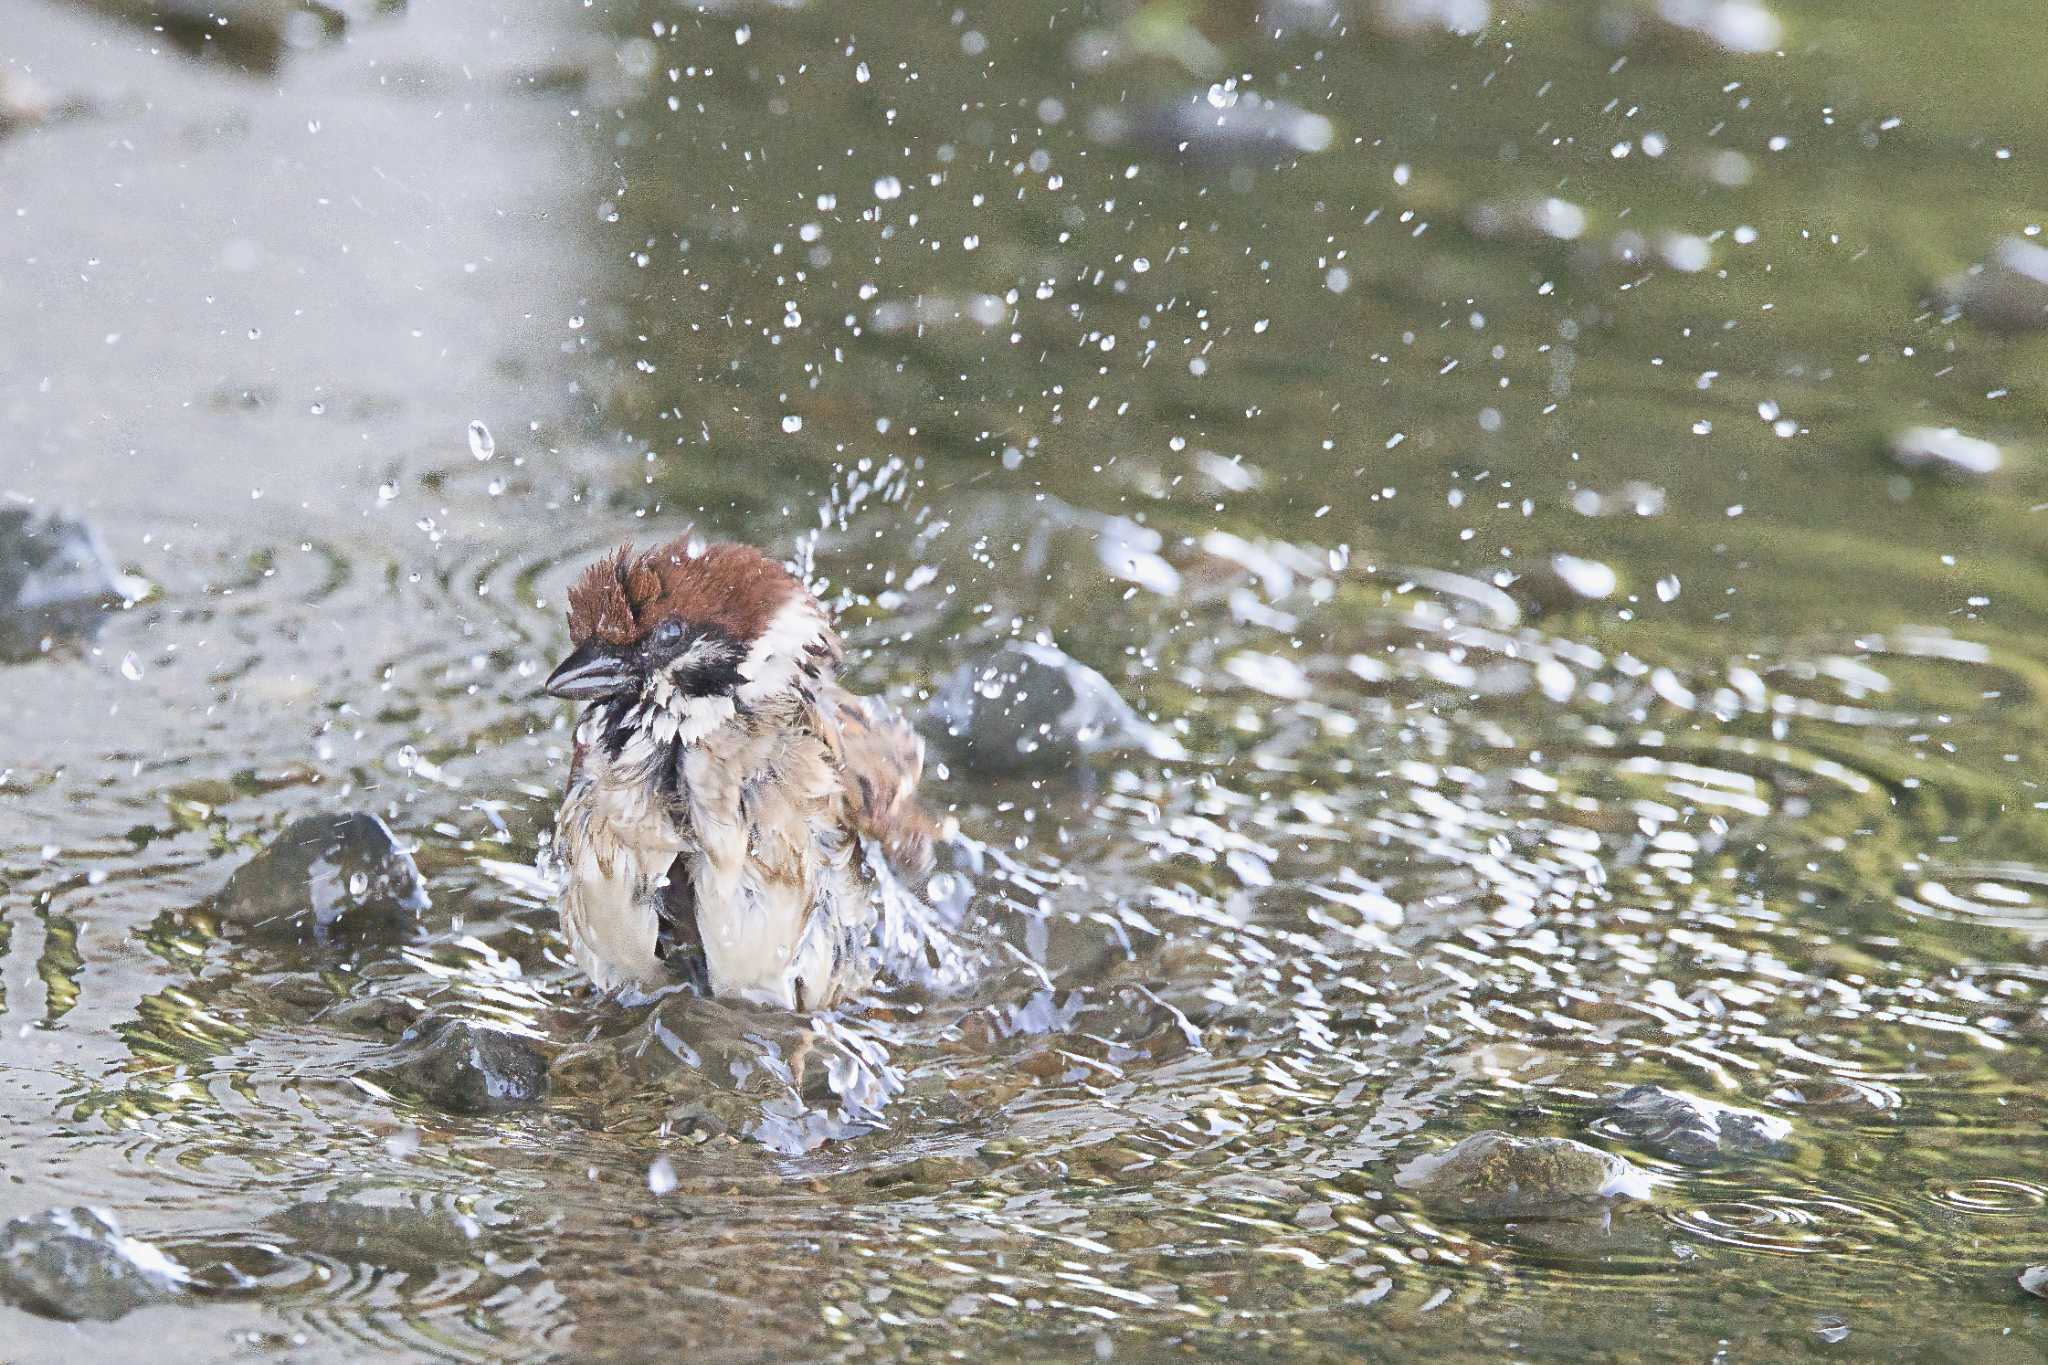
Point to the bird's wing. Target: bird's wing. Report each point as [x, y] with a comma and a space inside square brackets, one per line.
[882, 758]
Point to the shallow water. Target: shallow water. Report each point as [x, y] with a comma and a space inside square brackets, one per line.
[1277, 439]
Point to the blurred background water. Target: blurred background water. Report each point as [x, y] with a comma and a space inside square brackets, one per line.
[1562, 482]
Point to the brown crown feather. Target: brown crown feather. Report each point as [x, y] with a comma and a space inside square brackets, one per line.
[733, 587]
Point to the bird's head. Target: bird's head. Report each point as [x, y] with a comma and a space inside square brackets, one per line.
[681, 642]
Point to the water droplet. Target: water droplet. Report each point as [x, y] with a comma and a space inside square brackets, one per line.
[792, 423]
[131, 667]
[480, 443]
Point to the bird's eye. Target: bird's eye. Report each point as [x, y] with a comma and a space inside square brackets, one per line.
[668, 632]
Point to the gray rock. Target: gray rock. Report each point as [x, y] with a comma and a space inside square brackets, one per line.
[1494, 1175]
[1031, 708]
[74, 1264]
[1218, 125]
[327, 877]
[1945, 451]
[1527, 222]
[2008, 293]
[56, 578]
[466, 1067]
[382, 1227]
[1694, 1131]
[2034, 1279]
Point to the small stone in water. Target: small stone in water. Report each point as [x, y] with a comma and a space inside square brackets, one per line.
[1692, 1130]
[480, 443]
[2008, 293]
[131, 667]
[1944, 450]
[1033, 708]
[1494, 1175]
[468, 1068]
[2034, 1279]
[55, 577]
[792, 423]
[74, 1264]
[327, 876]
[661, 1176]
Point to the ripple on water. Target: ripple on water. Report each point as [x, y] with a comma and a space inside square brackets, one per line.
[1791, 1225]
[2004, 1198]
[1992, 895]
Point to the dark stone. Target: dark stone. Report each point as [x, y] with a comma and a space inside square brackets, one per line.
[327, 877]
[466, 1067]
[1213, 125]
[381, 1227]
[1691, 1130]
[1030, 708]
[1494, 1175]
[74, 1264]
[2008, 293]
[56, 578]
[1946, 452]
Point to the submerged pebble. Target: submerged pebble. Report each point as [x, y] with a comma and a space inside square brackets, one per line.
[1742, 27]
[381, 1226]
[1945, 451]
[1692, 1130]
[74, 1264]
[1220, 124]
[1495, 1175]
[1527, 221]
[466, 1067]
[1033, 708]
[2007, 293]
[56, 578]
[327, 877]
[2034, 1279]
[1566, 581]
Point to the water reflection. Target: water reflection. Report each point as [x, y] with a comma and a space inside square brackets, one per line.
[1456, 432]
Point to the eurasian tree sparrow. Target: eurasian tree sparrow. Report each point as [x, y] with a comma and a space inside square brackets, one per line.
[731, 809]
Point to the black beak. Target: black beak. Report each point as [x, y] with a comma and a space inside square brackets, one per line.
[596, 670]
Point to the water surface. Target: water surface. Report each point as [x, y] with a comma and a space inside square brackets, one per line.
[1281, 433]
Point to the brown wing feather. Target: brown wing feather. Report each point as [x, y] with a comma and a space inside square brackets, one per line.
[883, 759]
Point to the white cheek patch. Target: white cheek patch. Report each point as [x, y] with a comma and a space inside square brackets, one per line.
[771, 665]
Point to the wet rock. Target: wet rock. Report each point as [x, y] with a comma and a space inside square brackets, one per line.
[467, 1067]
[382, 1227]
[1692, 1130]
[1031, 708]
[1220, 124]
[254, 34]
[24, 103]
[1742, 27]
[1946, 452]
[56, 578]
[2034, 1279]
[74, 1264]
[1527, 222]
[1409, 18]
[1565, 582]
[1494, 1175]
[2007, 293]
[327, 877]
